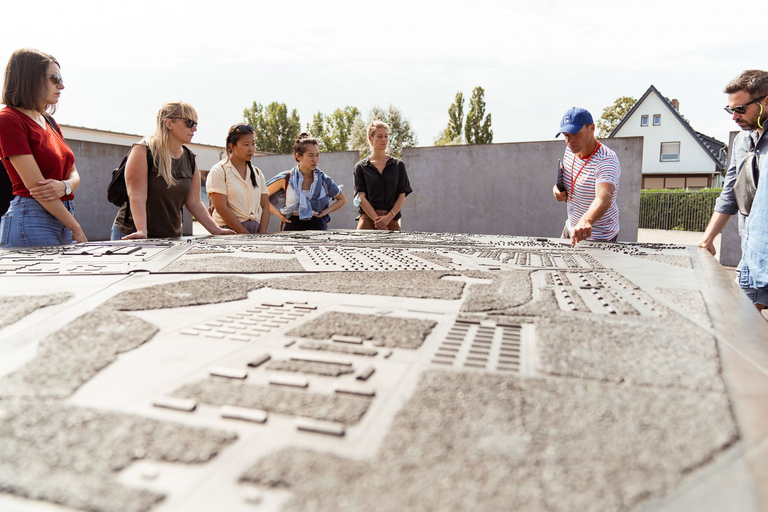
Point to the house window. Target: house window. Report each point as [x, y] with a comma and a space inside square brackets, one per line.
[643, 120]
[656, 119]
[670, 152]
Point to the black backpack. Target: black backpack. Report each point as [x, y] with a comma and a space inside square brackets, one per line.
[117, 191]
[6, 190]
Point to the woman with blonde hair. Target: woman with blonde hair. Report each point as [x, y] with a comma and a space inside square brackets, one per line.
[236, 188]
[161, 176]
[381, 183]
[39, 163]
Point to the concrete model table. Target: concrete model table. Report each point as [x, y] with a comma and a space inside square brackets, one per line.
[349, 370]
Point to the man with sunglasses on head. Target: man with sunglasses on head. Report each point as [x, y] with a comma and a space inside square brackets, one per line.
[589, 181]
[748, 104]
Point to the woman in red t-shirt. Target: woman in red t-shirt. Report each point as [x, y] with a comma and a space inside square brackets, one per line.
[39, 163]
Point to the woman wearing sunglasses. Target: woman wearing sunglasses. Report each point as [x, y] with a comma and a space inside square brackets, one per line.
[236, 188]
[40, 165]
[161, 176]
[308, 190]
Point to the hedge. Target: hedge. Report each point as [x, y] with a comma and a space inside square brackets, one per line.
[677, 209]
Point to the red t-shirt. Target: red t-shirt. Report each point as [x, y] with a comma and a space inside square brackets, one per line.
[20, 135]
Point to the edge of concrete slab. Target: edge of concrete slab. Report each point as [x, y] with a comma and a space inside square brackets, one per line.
[742, 339]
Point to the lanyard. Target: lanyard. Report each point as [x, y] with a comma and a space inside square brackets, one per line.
[573, 180]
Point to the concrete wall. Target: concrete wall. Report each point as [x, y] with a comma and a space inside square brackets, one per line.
[505, 188]
[94, 162]
[338, 165]
[492, 189]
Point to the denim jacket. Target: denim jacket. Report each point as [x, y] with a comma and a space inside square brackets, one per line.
[319, 195]
[755, 257]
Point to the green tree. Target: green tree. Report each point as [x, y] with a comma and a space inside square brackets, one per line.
[453, 132]
[317, 127]
[613, 115]
[401, 134]
[477, 128]
[276, 130]
[334, 130]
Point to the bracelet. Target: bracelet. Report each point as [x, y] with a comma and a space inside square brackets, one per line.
[392, 213]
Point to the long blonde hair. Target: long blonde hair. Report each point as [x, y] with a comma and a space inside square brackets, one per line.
[159, 142]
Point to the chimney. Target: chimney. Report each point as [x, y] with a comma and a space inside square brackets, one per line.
[676, 104]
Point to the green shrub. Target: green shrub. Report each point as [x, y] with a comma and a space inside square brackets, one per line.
[677, 209]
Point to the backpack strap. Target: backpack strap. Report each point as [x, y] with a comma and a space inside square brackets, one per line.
[150, 163]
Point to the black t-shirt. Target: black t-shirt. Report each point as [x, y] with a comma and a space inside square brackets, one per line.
[163, 203]
[381, 188]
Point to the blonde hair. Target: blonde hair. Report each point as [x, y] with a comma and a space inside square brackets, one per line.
[159, 142]
[375, 125]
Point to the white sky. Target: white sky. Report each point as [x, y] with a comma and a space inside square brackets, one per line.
[121, 60]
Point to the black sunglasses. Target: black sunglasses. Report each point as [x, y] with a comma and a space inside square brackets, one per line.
[188, 122]
[741, 109]
[245, 128]
[56, 79]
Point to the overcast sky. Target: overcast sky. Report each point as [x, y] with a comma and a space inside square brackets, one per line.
[121, 60]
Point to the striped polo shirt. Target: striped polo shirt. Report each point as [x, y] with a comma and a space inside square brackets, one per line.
[603, 167]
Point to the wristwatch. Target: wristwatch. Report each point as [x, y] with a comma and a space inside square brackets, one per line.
[67, 188]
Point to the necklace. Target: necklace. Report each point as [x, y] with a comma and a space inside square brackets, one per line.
[573, 179]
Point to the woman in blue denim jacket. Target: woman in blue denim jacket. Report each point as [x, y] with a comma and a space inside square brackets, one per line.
[308, 190]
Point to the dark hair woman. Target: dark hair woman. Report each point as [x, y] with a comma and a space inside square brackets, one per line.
[40, 165]
[236, 188]
[308, 190]
[381, 184]
[161, 176]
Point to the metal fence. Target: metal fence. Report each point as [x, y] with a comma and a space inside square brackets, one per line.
[679, 210]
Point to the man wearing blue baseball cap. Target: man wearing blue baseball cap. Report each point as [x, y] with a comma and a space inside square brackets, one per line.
[589, 180]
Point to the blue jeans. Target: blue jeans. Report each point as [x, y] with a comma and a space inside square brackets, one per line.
[756, 295]
[116, 233]
[28, 224]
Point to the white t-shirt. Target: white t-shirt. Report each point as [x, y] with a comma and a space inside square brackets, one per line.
[242, 197]
[603, 167]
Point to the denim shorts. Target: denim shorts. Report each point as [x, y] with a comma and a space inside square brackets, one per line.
[28, 224]
[756, 295]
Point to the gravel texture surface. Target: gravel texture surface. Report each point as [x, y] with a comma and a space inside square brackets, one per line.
[689, 301]
[325, 369]
[233, 265]
[69, 357]
[341, 349]
[415, 284]
[440, 259]
[668, 352]
[509, 288]
[193, 292]
[14, 308]
[678, 261]
[392, 331]
[71, 455]
[469, 440]
[223, 249]
[346, 409]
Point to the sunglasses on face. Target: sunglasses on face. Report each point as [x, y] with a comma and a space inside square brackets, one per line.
[56, 79]
[741, 109]
[188, 122]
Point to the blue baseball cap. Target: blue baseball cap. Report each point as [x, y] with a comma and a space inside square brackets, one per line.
[574, 120]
